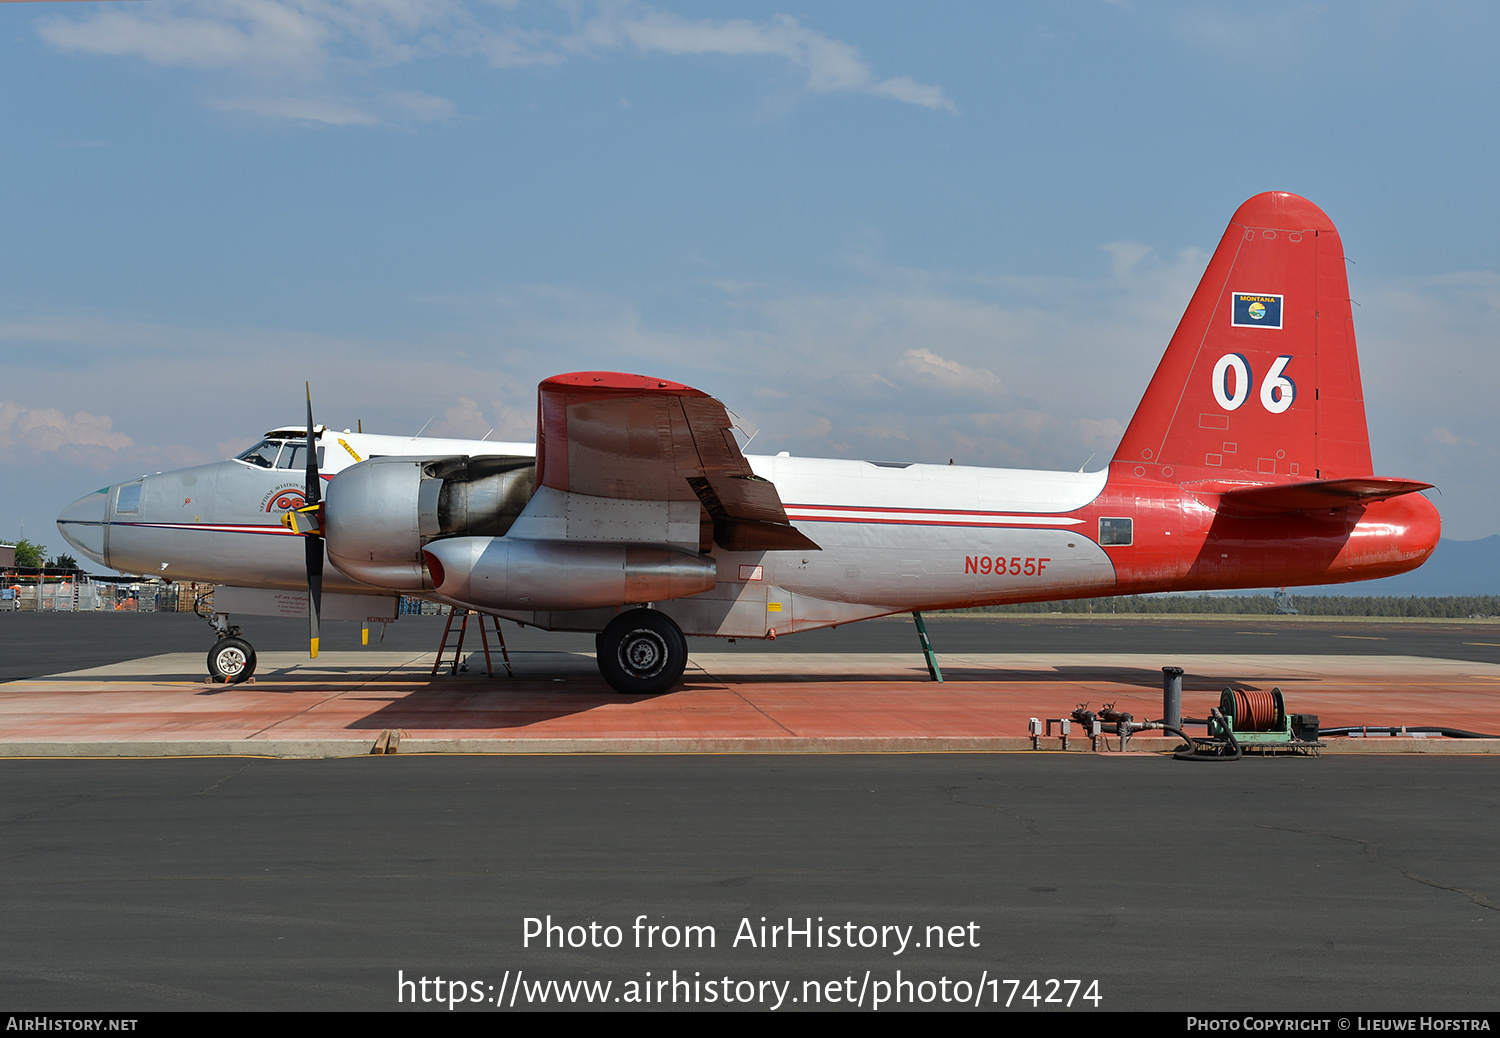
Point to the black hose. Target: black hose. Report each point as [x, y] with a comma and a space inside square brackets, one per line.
[1205, 749]
[1452, 733]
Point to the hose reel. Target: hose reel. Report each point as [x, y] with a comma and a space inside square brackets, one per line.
[1253, 722]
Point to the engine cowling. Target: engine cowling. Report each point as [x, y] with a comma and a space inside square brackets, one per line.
[505, 573]
[378, 514]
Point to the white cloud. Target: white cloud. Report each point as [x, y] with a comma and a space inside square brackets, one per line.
[928, 367]
[419, 106]
[46, 430]
[467, 420]
[408, 106]
[830, 64]
[301, 109]
[311, 40]
[256, 34]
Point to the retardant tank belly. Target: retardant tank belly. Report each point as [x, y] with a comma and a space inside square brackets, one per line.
[504, 573]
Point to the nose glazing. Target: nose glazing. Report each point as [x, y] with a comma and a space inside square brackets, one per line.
[82, 525]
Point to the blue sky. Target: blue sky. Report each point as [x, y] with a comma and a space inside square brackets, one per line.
[874, 230]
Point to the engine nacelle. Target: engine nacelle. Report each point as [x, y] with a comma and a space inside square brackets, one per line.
[501, 573]
[378, 514]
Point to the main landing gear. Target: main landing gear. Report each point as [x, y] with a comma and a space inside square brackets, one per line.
[232, 659]
[641, 652]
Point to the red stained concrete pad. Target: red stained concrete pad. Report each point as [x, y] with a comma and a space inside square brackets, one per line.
[341, 703]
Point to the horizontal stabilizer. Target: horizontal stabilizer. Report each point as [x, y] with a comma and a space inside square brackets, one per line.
[1317, 493]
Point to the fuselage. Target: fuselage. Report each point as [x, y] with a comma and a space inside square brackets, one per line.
[893, 538]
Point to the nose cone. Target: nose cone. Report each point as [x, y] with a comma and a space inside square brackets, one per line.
[82, 524]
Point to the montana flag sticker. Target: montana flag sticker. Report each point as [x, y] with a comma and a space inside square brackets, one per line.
[1255, 310]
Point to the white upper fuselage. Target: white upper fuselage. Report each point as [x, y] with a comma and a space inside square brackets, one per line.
[342, 449]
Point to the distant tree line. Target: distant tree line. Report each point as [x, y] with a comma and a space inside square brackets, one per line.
[34, 556]
[1454, 607]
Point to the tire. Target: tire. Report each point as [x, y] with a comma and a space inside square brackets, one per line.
[642, 652]
[231, 660]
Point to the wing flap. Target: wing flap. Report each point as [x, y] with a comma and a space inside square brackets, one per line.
[634, 438]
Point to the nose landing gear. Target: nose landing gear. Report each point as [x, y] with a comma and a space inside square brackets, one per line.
[232, 659]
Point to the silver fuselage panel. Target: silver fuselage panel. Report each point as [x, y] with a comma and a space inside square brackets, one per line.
[892, 538]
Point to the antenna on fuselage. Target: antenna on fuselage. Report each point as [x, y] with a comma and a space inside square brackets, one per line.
[1086, 462]
[424, 427]
[744, 428]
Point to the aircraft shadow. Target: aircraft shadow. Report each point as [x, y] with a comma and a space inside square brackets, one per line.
[525, 700]
[958, 673]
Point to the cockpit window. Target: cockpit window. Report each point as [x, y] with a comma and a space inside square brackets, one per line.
[276, 454]
[262, 454]
[129, 498]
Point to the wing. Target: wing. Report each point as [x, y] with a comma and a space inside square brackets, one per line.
[629, 437]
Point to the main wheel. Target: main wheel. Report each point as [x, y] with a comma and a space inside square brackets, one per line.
[642, 652]
[231, 660]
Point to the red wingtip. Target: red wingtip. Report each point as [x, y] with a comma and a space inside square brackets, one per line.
[616, 383]
[1283, 211]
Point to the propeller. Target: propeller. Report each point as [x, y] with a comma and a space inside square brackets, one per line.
[314, 542]
[308, 521]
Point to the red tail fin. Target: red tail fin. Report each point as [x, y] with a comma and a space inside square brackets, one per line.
[1261, 380]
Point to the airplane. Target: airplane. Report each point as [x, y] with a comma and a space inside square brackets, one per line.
[636, 515]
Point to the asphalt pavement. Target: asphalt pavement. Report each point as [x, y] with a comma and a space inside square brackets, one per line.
[749, 881]
[1328, 884]
[37, 644]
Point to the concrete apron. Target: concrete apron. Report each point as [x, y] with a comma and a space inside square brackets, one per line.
[355, 703]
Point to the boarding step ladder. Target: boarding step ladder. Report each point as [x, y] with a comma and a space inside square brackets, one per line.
[458, 648]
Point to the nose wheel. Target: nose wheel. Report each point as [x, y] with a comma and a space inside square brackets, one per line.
[231, 661]
[642, 652]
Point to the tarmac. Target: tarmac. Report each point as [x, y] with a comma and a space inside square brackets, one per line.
[781, 781]
[349, 703]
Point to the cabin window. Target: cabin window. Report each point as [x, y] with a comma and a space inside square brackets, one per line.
[129, 498]
[294, 456]
[1115, 531]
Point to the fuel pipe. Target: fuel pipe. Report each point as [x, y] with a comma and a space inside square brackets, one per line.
[1109, 721]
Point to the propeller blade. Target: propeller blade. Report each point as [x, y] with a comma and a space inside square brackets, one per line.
[314, 487]
[314, 545]
[313, 541]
